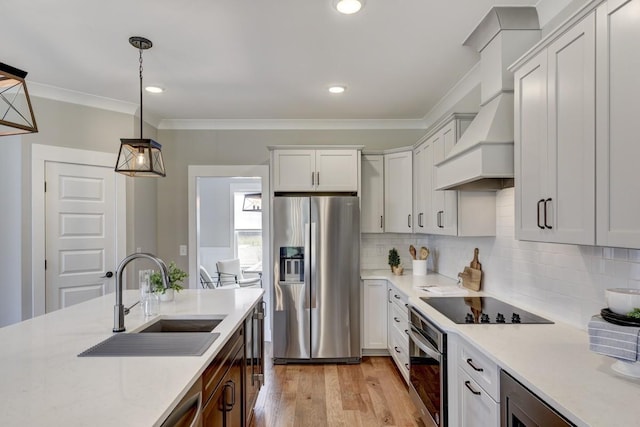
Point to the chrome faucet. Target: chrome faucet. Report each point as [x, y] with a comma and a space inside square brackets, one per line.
[118, 309]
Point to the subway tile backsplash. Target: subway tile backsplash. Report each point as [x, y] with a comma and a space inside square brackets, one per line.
[564, 282]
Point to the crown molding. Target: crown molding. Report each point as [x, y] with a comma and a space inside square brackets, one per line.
[74, 97]
[291, 124]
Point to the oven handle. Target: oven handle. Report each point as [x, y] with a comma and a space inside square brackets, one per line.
[424, 345]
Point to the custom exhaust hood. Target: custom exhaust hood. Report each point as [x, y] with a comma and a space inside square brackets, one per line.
[483, 157]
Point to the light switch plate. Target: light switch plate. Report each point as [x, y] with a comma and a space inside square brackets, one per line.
[183, 250]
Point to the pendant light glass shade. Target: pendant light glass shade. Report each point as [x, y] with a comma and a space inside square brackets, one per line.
[16, 114]
[140, 157]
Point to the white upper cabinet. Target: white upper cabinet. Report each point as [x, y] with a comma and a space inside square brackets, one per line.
[452, 213]
[327, 170]
[422, 185]
[618, 139]
[398, 192]
[372, 194]
[555, 140]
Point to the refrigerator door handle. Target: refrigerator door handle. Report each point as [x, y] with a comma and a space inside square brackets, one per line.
[309, 280]
[307, 265]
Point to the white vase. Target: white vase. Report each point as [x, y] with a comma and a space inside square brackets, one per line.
[167, 296]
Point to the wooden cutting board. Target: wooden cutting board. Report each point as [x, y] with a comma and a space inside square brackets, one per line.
[472, 275]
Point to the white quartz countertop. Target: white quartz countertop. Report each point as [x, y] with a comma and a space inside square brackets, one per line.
[44, 383]
[554, 361]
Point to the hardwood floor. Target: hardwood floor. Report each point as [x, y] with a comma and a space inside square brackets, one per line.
[369, 394]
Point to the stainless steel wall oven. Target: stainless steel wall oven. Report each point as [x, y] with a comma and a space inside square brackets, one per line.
[428, 369]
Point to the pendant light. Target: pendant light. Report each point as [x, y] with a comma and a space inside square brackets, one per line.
[140, 157]
[16, 114]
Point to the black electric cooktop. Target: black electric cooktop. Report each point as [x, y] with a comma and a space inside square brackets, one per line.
[481, 310]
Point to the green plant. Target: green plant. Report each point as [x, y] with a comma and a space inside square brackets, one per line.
[176, 277]
[394, 258]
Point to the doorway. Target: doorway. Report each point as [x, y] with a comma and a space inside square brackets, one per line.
[224, 221]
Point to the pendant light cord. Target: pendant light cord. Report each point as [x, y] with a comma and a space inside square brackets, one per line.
[141, 124]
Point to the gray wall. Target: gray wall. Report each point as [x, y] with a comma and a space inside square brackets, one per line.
[238, 147]
[65, 125]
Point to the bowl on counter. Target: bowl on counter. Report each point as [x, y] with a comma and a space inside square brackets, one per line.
[622, 300]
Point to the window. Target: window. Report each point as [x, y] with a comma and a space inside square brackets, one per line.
[247, 233]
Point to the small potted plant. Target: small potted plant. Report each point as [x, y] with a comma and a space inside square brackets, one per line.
[176, 278]
[394, 261]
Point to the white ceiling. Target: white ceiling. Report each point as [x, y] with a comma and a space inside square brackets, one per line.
[250, 59]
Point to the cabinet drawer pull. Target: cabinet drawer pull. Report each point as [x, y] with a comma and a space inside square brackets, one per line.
[538, 214]
[546, 225]
[406, 365]
[406, 331]
[470, 363]
[396, 296]
[468, 385]
[396, 319]
[396, 349]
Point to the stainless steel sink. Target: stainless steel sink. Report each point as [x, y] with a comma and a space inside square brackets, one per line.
[200, 324]
[167, 336]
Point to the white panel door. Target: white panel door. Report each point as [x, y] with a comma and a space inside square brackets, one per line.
[618, 143]
[530, 133]
[80, 232]
[372, 199]
[570, 200]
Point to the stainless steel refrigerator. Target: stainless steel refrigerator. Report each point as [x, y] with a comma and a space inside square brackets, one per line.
[316, 312]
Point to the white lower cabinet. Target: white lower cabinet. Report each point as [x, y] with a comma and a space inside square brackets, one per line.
[474, 386]
[477, 408]
[398, 329]
[374, 312]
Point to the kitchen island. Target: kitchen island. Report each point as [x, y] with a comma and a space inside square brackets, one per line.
[44, 383]
[552, 360]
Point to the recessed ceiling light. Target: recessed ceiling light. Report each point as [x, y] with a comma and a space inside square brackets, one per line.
[154, 89]
[348, 6]
[337, 89]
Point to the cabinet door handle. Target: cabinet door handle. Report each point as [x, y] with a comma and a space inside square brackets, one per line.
[313, 179]
[475, 368]
[538, 214]
[440, 213]
[396, 296]
[406, 331]
[409, 220]
[228, 405]
[396, 319]
[420, 219]
[545, 214]
[468, 385]
[317, 178]
[396, 349]
[381, 222]
[406, 365]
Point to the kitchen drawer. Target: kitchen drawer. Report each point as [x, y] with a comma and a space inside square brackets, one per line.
[398, 298]
[217, 369]
[399, 350]
[480, 368]
[476, 407]
[398, 317]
